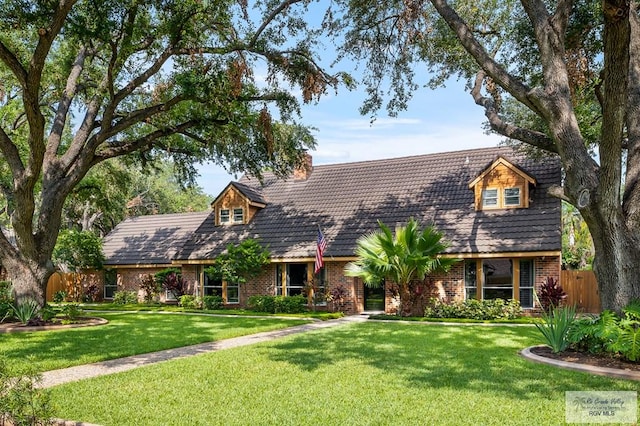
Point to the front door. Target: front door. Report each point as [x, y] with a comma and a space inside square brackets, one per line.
[374, 298]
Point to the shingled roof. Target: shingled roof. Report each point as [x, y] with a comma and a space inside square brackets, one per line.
[346, 201]
[150, 240]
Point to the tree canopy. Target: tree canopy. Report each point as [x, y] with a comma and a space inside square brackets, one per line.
[83, 82]
[562, 77]
[117, 189]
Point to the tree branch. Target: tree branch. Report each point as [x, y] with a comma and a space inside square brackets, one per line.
[12, 62]
[11, 154]
[285, 4]
[531, 137]
[60, 119]
[148, 140]
[511, 84]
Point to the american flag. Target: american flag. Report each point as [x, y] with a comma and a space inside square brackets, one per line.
[320, 248]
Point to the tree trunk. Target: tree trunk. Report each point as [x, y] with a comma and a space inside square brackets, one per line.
[29, 280]
[405, 300]
[617, 267]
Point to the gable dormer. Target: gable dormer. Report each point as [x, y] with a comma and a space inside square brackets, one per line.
[502, 185]
[236, 205]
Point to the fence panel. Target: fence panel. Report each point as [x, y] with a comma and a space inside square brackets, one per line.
[582, 290]
[57, 282]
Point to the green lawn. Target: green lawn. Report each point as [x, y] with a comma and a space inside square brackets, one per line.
[358, 374]
[126, 334]
[163, 307]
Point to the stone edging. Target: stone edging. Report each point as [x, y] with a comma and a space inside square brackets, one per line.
[585, 368]
[20, 328]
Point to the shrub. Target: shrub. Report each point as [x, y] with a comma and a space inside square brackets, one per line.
[125, 297]
[5, 290]
[170, 279]
[278, 304]
[212, 303]
[26, 311]
[6, 301]
[59, 296]
[72, 311]
[91, 293]
[190, 302]
[149, 287]
[490, 309]
[262, 304]
[338, 297]
[47, 313]
[556, 327]
[551, 294]
[290, 304]
[610, 333]
[21, 403]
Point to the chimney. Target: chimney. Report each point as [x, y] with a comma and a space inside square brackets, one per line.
[303, 170]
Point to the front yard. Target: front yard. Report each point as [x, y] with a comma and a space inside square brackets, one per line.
[365, 374]
[127, 334]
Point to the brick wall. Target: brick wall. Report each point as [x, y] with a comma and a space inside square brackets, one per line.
[448, 287]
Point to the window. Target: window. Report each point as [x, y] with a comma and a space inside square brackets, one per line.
[526, 283]
[229, 292]
[470, 280]
[511, 197]
[238, 216]
[498, 279]
[211, 286]
[232, 292]
[110, 283]
[229, 216]
[494, 198]
[294, 281]
[489, 198]
[224, 216]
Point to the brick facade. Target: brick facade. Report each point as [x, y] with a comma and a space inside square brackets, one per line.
[447, 287]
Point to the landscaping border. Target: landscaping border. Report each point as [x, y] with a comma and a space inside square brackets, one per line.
[591, 369]
[19, 328]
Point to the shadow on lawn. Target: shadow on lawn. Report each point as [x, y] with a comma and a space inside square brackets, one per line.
[483, 359]
[125, 335]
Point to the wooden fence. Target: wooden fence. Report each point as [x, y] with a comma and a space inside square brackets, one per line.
[75, 285]
[582, 290]
[57, 282]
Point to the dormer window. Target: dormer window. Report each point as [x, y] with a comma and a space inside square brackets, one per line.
[502, 185]
[238, 216]
[512, 197]
[231, 216]
[224, 216]
[237, 204]
[490, 198]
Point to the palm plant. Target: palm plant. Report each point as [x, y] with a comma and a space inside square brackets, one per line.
[405, 258]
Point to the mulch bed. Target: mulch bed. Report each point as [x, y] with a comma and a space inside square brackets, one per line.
[607, 361]
[16, 327]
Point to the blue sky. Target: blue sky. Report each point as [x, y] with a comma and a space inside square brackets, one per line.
[439, 120]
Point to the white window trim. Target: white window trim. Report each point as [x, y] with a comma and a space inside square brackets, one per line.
[504, 192]
[485, 198]
[501, 198]
[233, 216]
[227, 214]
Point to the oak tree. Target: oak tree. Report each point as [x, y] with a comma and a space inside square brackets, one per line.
[83, 81]
[558, 75]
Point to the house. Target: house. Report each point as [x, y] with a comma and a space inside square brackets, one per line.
[492, 205]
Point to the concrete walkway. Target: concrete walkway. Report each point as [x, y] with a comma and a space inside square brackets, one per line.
[72, 374]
